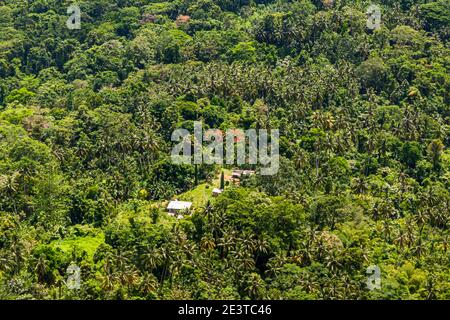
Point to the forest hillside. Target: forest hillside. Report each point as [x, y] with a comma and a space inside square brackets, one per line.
[92, 91]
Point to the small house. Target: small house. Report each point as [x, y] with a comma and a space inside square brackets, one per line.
[238, 174]
[176, 207]
[216, 192]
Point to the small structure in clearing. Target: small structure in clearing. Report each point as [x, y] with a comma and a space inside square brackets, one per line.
[216, 192]
[175, 208]
[238, 174]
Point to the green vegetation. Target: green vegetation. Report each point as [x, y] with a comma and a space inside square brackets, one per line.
[86, 118]
[86, 244]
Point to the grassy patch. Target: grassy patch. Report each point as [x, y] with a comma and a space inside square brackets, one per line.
[89, 244]
[200, 195]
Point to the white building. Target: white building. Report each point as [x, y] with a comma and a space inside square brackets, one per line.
[176, 207]
[216, 192]
[237, 174]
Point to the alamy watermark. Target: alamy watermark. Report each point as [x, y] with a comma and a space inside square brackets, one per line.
[374, 17]
[74, 21]
[373, 20]
[374, 278]
[238, 147]
[74, 279]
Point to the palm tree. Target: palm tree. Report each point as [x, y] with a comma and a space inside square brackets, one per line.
[261, 246]
[247, 242]
[421, 220]
[222, 180]
[445, 243]
[10, 184]
[41, 268]
[410, 237]
[401, 238]
[207, 243]
[226, 242]
[208, 210]
[301, 159]
[151, 258]
[149, 283]
[387, 230]
[167, 252]
[333, 261]
[109, 278]
[317, 151]
[275, 264]
[121, 259]
[409, 125]
[17, 250]
[244, 259]
[359, 185]
[431, 287]
[254, 286]
[129, 276]
[309, 282]
[435, 149]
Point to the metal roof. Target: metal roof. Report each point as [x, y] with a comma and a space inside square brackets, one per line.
[179, 205]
